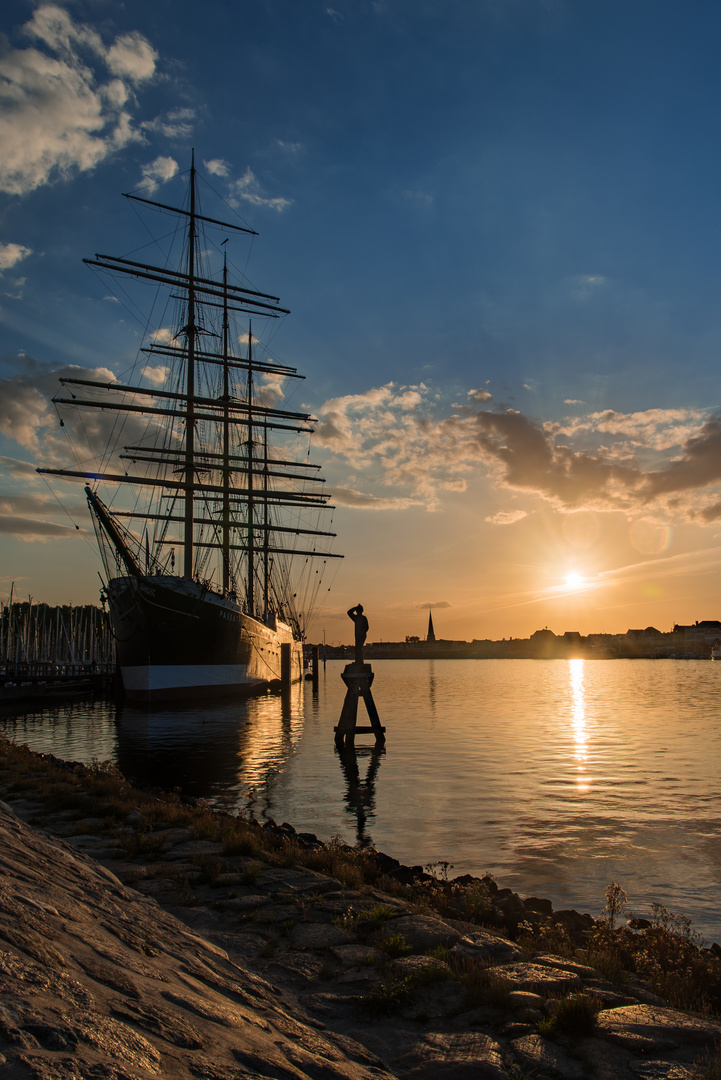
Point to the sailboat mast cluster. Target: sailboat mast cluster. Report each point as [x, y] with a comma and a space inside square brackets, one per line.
[215, 473]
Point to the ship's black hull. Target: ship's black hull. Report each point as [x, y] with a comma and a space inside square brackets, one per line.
[175, 640]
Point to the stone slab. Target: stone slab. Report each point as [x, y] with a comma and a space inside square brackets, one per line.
[318, 936]
[646, 1029]
[537, 978]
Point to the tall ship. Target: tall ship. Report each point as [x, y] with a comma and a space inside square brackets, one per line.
[206, 507]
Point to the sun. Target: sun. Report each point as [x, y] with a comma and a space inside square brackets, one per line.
[574, 580]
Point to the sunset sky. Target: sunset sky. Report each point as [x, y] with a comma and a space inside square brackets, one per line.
[497, 224]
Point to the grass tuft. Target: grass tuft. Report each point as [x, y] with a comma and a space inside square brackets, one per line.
[394, 945]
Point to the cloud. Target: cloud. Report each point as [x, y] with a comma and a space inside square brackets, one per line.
[217, 167]
[480, 395]
[15, 467]
[159, 170]
[32, 528]
[15, 288]
[360, 500]
[572, 401]
[395, 438]
[10, 254]
[432, 607]
[26, 516]
[156, 376]
[247, 188]
[164, 334]
[659, 429]
[59, 112]
[24, 411]
[507, 517]
[270, 389]
[175, 124]
[28, 417]
[132, 56]
[243, 339]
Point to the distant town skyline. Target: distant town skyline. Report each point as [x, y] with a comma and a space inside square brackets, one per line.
[496, 225]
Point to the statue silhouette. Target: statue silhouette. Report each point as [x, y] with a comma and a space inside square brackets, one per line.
[361, 630]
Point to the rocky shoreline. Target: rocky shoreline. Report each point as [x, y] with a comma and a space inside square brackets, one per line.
[143, 937]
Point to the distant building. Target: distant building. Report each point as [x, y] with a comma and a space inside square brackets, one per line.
[431, 633]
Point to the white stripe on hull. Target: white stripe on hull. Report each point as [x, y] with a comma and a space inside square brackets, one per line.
[179, 676]
[194, 680]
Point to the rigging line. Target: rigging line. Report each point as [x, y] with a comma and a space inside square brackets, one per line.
[129, 305]
[154, 241]
[232, 209]
[78, 528]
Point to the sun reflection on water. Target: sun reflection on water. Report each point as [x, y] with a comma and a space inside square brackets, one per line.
[580, 728]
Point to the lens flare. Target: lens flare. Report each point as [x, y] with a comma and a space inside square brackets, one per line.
[650, 537]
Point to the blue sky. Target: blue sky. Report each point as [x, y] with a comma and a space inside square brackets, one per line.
[496, 226]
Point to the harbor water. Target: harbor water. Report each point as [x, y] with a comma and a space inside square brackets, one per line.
[555, 776]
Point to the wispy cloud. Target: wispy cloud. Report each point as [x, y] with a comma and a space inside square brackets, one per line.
[289, 147]
[60, 113]
[248, 189]
[174, 124]
[26, 516]
[507, 517]
[349, 497]
[11, 254]
[158, 171]
[27, 528]
[217, 167]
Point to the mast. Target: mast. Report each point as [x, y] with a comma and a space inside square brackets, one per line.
[250, 586]
[190, 389]
[266, 529]
[225, 472]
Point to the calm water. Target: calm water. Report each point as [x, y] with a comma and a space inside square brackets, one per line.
[556, 776]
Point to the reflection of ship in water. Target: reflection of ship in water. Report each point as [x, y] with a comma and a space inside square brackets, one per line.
[229, 753]
[360, 794]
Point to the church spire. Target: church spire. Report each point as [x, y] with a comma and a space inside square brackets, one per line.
[431, 635]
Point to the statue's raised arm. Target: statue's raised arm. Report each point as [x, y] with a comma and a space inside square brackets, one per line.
[361, 630]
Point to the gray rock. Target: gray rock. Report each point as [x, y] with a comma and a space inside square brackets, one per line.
[466, 1056]
[277, 879]
[535, 1053]
[420, 967]
[649, 1029]
[191, 848]
[481, 946]
[276, 913]
[318, 936]
[422, 932]
[537, 978]
[526, 999]
[356, 955]
[98, 983]
[246, 903]
[582, 970]
[662, 1070]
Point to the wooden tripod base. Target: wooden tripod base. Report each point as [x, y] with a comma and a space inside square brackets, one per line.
[358, 679]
